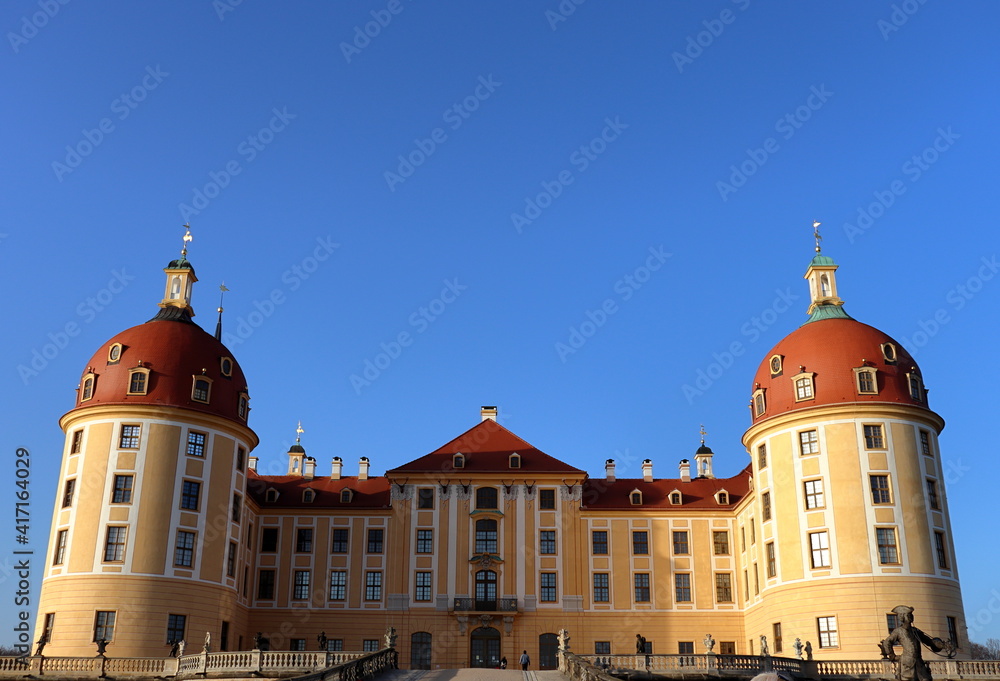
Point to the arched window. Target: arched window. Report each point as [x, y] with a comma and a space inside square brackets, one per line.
[675, 498]
[458, 461]
[137, 381]
[271, 496]
[825, 285]
[635, 497]
[346, 495]
[308, 496]
[244, 406]
[515, 460]
[420, 650]
[88, 387]
[486, 536]
[201, 389]
[867, 384]
[486, 497]
[723, 498]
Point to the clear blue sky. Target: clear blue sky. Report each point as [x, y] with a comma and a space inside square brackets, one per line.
[528, 165]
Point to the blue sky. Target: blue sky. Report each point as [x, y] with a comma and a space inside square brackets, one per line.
[568, 210]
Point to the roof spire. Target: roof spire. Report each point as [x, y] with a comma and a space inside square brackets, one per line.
[187, 239]
[298, 433]
[824, 303]
[176, 303]
[218, 324]
[816, 224]
[703, 434]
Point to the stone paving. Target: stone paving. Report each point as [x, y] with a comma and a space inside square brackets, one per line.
[471, 674]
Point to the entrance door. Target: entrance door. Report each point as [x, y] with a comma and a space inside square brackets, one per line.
[485, 649]
[548, 656]
[420, 650]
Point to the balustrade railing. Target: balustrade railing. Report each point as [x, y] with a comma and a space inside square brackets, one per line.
[495, 605]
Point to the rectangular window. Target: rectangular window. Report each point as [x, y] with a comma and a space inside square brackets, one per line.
[548, 591]
[60, 553]
[814, 494]
[891, 621]
[808, 442]
[265, 584]
[602, 588]
[184, 549]
[720, 543]
[776, 634]
[756, 580]
[547, 542]
[642, 588]
[300, 588]
[640, 543]
[681, 546]
[602, 647]
[190, 491]
[425, 497]
[129, 437]
[269, 539]
[196, 444]
[122, 493]
[297, 644]
[68, 490]
[952, 629]
[114, 544]
[50, 621]
[339, 543]
[772, 564]
[373, 586]
[77, 444]
[685, 648]
[176, 624]
[746, 585]
[819, 548]
[724, 587]
[423, 587]
[338, 585]
[874, 438]
[546, 499]
[925, 443]
[880, 489]
[241, 457]
[231, 560]
[827, 629]
[932, 495]
[753, 531]
[375, 541]
[425, 541]
[762, 456]
[743, 539]
[599, 542]
[727, 647]
[104, 625]
[304, 540]
[682, 587]
[765, 504]
[942, 551]
[237, 508]
[866, 382]
[370, 645]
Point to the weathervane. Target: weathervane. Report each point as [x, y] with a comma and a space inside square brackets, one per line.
[816, 224]
[222, 293]
[703, 434]
[187, 239]
[298, 433]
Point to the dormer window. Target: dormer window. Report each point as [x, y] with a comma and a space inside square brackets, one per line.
[308, 496]
[346, 495]
[138, 380]
[866, 381]
[675, 498]
[271, 496]
[114, 353]
[916, 386]
[722, 496]
[244, 406]
[635, 497]
[775, 365]
[226, 366]
[87, 391]
[458, 460]
[803, 383]
[889, 353]
[515, 460]
[759, 405]
[201, 388]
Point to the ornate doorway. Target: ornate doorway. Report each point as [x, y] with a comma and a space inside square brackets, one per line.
[485, 647]
[548, 647]
[420, 650]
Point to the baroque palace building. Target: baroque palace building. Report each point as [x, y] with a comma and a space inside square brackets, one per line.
[163, 530]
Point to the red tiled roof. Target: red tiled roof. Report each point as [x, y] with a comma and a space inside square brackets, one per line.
[487, 447]
[698, 493]
[370, 493]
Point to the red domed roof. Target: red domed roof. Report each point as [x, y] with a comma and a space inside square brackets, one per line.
[830, 350]
[175, 351]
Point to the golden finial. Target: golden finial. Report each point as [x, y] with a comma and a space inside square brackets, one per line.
[816, 224]
[298, 433]
[703, 434]
[222, 293]
[187, 239]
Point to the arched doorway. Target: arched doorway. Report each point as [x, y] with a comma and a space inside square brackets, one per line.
[485, 648]
[548, 647]
[420, 650]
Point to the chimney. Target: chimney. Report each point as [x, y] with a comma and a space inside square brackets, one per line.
[488, 413]
[685, 470]
[647, 470]
[338, 468]
[309, 469]
[252, 463]
[363, 468]
[609, 470]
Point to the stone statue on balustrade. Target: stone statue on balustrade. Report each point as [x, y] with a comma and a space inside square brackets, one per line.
[797, 647]
[181, 645]
[764, 652]
[709, 644]
[207, 648]
[563, 640]
[390, 637]
[910, 665]
[258, 640]
[322, 640]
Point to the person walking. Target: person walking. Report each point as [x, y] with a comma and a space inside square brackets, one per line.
[525, 661]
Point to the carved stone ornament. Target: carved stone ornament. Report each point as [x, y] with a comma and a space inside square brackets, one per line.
[574, 494]
[485, 561]
[463, 623]
[486, 620]
[404, 494]
[508, 624]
